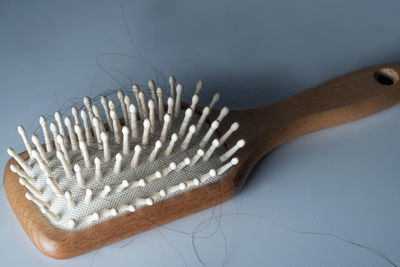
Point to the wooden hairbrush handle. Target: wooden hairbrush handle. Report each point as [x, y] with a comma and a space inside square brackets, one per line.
[340, 100]
[343, 99]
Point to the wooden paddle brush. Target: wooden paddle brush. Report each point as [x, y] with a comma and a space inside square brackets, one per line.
[90, 188]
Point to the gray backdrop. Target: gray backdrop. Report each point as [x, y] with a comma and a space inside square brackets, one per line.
[302, 200]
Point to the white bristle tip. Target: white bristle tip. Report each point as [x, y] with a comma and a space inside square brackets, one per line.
[235, 126]
[42, 120]
[84, 114]
[35, 154]
[215, 125]
[241, 143]
[21, 129]
[13, 168]
[60, 139]
[225, 110]
[111, 105]
[132, 108]
[234, 161]
[71, 224]
[151, 84]
[192, 129]
[125, 130]
[167, 118]
[120, 94]
[96, 122]
[88, 196]
[77, 168]
[78, 129]
[68, 121]
[35, 139]
[151, 103]
[163, 193]
[57, 115]
[125, 207]
[172, 165]
[188, 112]
[187, 161]
[113, 114]
[109, 213]
[93, 217]
[86, 100]
[53, 127]
[104, 136]
[206, 110]
[182, 186]
[105, 191]
[149, 201]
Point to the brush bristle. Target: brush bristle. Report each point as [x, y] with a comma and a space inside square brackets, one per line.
[117, 165]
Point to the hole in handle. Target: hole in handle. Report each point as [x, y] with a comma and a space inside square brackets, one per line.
[386, 76]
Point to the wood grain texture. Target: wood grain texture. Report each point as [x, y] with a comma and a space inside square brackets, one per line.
[341, 100]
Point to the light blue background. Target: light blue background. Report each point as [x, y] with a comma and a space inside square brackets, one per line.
[342, 181]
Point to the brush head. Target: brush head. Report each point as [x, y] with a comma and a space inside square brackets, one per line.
[77, 195]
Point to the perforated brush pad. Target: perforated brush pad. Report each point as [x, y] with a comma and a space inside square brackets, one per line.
[128, 196]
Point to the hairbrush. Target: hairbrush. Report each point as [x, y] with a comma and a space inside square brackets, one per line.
[112, 169]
